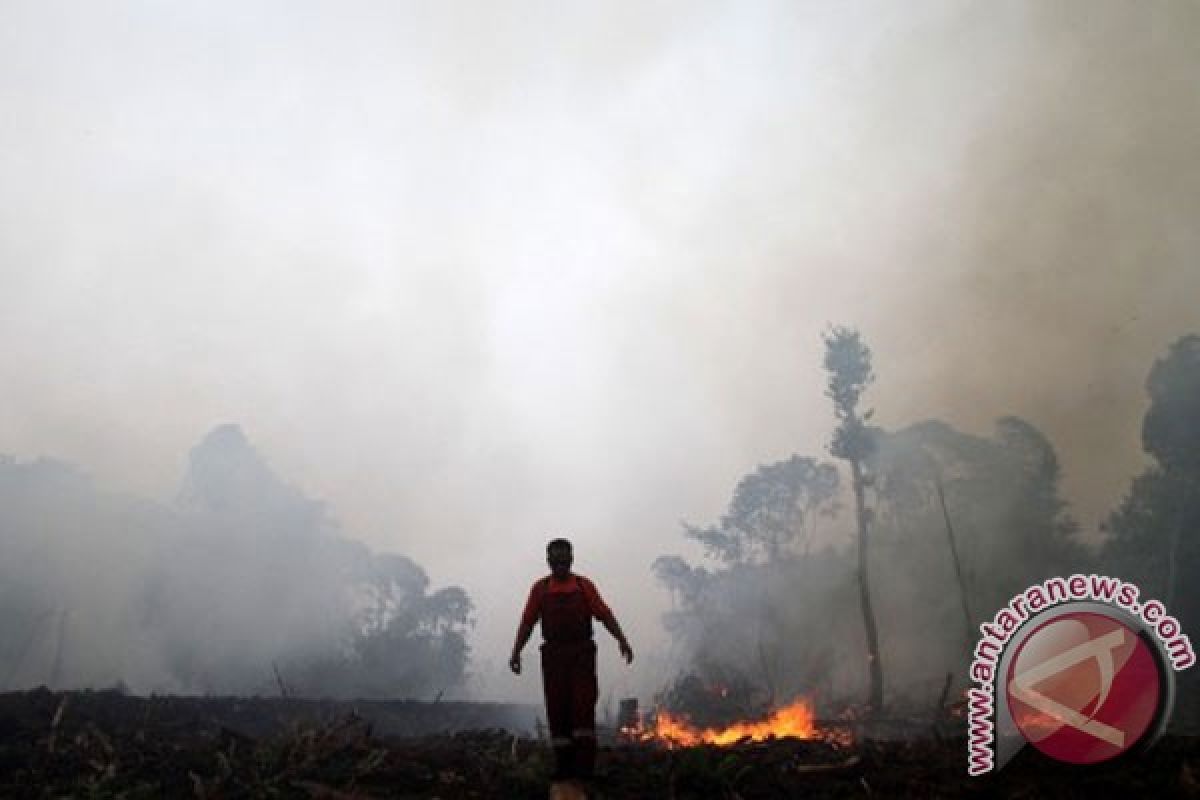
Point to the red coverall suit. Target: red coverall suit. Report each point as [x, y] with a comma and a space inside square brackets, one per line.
[565, 609]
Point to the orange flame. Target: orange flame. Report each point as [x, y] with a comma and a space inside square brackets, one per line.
[796, 719]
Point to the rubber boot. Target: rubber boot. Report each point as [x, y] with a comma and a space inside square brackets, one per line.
[564, 762]
[585, 757]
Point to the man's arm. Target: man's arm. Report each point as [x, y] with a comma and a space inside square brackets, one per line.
[602, 612]
[524, 631]
[525, 628]
[610, 622]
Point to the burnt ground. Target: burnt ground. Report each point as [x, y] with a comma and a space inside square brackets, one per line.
[105, 744]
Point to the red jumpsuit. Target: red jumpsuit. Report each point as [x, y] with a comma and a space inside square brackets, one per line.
[565, 609]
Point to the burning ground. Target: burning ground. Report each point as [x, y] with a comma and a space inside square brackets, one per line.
[105, 744]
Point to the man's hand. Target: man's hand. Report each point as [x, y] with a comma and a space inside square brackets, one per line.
[626, 651]
[514, 660]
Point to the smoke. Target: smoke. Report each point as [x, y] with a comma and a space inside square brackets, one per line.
[482, 277]
[239, 583]
[958, 525]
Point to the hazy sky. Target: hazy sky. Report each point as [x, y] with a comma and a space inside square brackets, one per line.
[479, 274]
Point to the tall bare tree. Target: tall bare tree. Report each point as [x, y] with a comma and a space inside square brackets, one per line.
[848, 363]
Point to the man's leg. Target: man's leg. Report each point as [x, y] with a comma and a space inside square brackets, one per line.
[584, 689]
[556, 682]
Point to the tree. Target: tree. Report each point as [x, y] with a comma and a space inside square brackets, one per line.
[771, 509]
[848, 363]
[759, 608]
[974, 516]
[1171, 428]
[1147, 530]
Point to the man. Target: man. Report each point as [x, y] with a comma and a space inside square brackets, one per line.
[565, 603]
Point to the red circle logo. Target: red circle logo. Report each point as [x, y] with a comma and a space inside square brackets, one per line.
[1084, 687]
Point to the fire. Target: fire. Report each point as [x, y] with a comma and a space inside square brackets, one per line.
[796, 719]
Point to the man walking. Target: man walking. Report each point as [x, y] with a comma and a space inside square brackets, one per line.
[565, 603]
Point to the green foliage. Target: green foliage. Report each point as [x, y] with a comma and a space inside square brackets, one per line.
[404, 641]
[1152, 533]
[242, 575]
[725, 616]
[848, 364]
[787, 617]
[769, 511]
[1141, 529]
[1171, 428]
[1002, 495]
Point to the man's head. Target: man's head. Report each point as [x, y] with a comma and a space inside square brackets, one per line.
[559, 557]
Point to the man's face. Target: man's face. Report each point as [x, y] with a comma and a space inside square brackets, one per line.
[560, 560]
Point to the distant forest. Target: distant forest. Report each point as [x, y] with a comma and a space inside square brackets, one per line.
[241, 586]
[943, 526]
[859, 576]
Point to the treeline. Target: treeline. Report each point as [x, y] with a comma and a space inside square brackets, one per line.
[241, 586]
[920, 534]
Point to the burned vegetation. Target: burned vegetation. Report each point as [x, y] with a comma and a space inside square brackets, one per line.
[110, 745]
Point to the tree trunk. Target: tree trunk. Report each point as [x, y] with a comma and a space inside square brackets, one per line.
[958, 572]
[875, 694]
[1172, 557]
[57, 666]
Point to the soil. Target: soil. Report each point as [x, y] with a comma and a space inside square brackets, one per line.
[106, 744]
